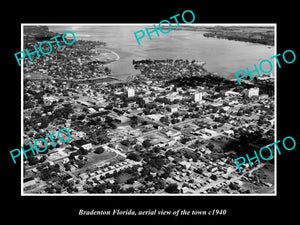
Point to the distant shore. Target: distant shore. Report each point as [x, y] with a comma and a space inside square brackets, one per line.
[258, 35]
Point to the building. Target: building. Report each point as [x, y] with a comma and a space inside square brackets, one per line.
[130, 92]
[174, 108]
[229, 132]
[173, 96]
[87, 147]
[264, 96]
[186, 164]
[48, 100]
[198, 96]
[252, 92]
[231, 93]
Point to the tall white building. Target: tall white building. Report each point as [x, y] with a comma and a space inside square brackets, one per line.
[198, 96]
[174, 108]
[130, 92]
[253, 92]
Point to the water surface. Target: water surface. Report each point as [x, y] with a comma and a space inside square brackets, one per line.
[221, 56]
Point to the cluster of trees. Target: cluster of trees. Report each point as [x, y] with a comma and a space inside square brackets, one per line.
[63, 112]
[99, 150]
[197, 144]
[134, 156]
[36, 122]
[241, 146]
[156, 162]
[79, 161]
[60, 185]
[32, 160]
[185, 139]
[172, 188]
[138, 147]
[128, 142]
[220, 119]
[191, 155]
[97, 135]
[48, 171]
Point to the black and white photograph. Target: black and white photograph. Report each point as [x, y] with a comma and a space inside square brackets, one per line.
[167, 116]
[150, 113]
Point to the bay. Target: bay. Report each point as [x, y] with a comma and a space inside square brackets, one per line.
[222, 56]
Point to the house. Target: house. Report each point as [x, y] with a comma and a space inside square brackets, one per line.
[108, 191]
[174, 108]
[65, 160]
[186, 164]
[35, 170]
[87, 146]
[229, 132]
[185, 190]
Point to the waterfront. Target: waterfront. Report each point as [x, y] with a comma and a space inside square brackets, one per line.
[221, 56]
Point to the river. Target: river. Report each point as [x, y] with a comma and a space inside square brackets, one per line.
[223, 57]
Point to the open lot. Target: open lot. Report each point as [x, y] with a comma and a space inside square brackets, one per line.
[123, 178]
[94, 158]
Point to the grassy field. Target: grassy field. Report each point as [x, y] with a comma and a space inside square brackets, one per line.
[94, 158]
[123, 178]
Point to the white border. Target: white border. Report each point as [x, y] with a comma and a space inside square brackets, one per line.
[149, 24]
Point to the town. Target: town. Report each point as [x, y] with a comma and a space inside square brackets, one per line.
[173, 129]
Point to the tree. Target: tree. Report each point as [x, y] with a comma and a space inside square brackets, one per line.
[81, 117]
[130, 190]
[240, 113]
[156, 162]
[164, 119]
[160, 184]
[146, 143]
[125, 142]
[42, 159]
[72, 155]
[99, 150]
[234, 186]
[130, 181]
[172, 188]
[134, 156]
[32, 160]
[175, 114]
[210, 146]
[138, 147]
[80, 163]
[115, 188]
[213, 177]
[83, 151]
[156, 149]
[67, 167]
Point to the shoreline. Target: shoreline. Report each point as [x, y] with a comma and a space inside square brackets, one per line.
[99, 53]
